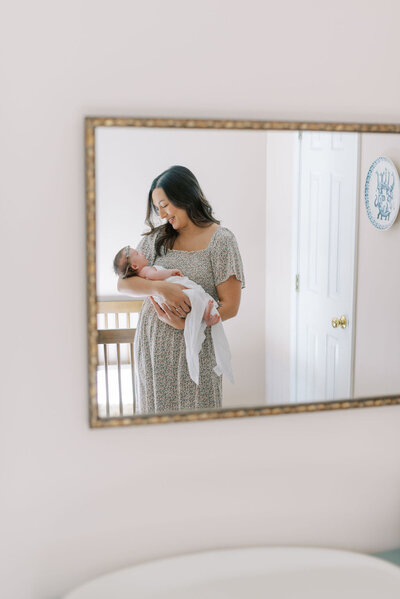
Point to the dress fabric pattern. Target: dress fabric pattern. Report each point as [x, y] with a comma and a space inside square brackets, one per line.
[162, 380]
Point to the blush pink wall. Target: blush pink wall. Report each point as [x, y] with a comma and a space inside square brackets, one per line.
[79, 502]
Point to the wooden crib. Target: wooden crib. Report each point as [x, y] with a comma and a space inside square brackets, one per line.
[116, 326]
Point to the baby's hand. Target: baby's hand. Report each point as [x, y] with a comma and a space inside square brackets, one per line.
[210, 320]
[176, 273]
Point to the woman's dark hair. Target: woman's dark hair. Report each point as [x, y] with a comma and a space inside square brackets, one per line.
[183, 190]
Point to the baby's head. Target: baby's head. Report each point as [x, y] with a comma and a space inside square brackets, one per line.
[128, 262]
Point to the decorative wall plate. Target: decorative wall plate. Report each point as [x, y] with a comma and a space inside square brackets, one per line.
[382, 193]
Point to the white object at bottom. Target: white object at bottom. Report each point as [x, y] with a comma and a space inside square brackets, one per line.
[256, 573]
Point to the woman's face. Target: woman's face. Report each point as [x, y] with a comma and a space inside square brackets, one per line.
[177, 217]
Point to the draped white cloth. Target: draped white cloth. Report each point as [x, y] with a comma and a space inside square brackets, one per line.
[195, 326]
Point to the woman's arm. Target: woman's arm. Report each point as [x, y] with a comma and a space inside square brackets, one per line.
[229, 293]
[171, 292]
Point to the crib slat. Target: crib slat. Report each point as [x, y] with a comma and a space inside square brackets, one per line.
[106, 375]
[133, 379]
[119, 380]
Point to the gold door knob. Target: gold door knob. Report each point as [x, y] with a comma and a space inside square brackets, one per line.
[339, 322]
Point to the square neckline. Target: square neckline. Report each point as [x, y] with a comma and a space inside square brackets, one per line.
[204, 249]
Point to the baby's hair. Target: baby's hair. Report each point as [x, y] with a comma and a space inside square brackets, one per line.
[122, 268]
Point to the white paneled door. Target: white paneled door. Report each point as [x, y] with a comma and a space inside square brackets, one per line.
[326, 264]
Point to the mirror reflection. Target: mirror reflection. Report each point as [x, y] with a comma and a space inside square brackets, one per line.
[317, 318]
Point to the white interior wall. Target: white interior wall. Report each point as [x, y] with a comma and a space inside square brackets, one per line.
[376, 368]
[280, 231]
[79, 502]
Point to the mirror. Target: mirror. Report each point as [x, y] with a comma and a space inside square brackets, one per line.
[318, 320]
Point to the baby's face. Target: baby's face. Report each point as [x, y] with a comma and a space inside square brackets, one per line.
[137, 260]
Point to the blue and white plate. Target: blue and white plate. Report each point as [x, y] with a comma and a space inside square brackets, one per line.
[382, 193]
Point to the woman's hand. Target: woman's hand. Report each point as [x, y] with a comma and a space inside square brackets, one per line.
[208, 319]
[174, 297]
[169, 316]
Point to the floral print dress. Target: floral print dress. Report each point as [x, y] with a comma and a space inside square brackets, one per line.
[162, 380]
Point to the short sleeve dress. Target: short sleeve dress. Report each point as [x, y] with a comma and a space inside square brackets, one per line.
[162, 380]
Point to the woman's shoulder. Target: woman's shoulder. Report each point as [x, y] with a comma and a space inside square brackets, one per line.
[225, 256]
[222, 235]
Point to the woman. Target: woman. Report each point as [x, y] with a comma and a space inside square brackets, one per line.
[192, 241]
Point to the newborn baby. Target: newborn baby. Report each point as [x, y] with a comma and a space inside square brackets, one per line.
[130, 263]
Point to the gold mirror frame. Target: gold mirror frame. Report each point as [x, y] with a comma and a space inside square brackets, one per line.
[90, 126]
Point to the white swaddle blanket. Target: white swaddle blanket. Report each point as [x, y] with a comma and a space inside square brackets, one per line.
[195, 326]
